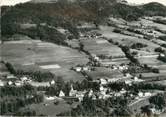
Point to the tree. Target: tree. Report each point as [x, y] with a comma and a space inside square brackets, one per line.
[10, 68]
[158, 101]
[146, 110]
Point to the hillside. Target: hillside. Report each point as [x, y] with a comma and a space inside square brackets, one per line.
[154, 9]
[68, 14]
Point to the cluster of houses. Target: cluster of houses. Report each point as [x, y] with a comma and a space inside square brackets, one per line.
[91, 35]
[13, 80]
[81, 68]
[103, 93]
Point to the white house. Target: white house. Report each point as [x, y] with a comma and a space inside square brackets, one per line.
[90, 93]
[61, 94]
[123, 91]
[1, 83]
[112, 80]
[85, 68]
[94, 97]
[23, 79]
[78, 69]
[10, 83]
[80, 96]
[50, 98]
[103, 81]
[147, 94]
[128, 75]
[18, 83]
[162, 55]
[129, 82]
[52, 82]
[140, 94]
[10, 76]
[72, 92]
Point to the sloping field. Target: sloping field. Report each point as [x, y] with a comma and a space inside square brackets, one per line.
[49, 108]
[73, 43]
[116, 61]
[150, 23]
[42, 55]
[153, 76]
[101, 72]
[102, 47]
[152, 61]
[126, 40]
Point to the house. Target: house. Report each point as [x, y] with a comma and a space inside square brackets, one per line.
[140, 94]
[155, 111]
[61, 94]
[117, 94]
[96, 58]
[10, 76]
[147, 94]
[122, 67]
[23, 79]
[72, 92]
[85, 68]
[162, 55]
[18, 83]
[128, 82]
[136, 79]
[103, 81]
[50, 98]
[80, 95]
[94, 97]
[128, 75]
[52, 82]
[123, 91]
[112, 80]
[78, 69]
[10, 83]
[1, 83]
[104, 96]
[114, 68]
[90, 93]
[103, 90]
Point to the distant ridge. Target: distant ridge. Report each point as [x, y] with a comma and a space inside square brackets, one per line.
[154, 8]
[49, 1]
[43, 1]
[68, 14]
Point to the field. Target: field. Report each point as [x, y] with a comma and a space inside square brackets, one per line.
[163, 82]
[101, 72]
[115, 61]
[150, 60]
[149, 23]
[37, 55]
[49, 108]
[153, 76]
[101, 46]
[125, 39]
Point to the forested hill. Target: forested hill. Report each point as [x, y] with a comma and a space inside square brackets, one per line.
[68, 14]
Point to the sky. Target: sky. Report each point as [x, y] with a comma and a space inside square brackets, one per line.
[13, 2]
[146, 1]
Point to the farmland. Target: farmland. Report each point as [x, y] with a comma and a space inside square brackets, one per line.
[37, 55]
[102, 47]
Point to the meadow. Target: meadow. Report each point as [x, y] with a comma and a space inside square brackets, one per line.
[38, 55]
